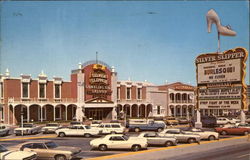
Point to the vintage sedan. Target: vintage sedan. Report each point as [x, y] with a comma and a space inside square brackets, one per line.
[4, 130]
[153, 138]
[27, 128]
[78, 130]
[210, 135]
[181, 136]
[119, 141]
[48, 150]
[50, 128]
[6, 154]
[247, 125]
[233, 130]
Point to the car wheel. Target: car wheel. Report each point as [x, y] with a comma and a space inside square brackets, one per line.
[191, 140]
[246, 133]
[211, 138]
[102, 147]
[60, 157]
[224, 133]
[7, 133]
[136, 148]
[159, 129]
[87, 135]
[137, 129]
[61, 134]
[169, 143]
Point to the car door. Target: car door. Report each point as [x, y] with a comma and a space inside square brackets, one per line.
[81, 130]
[107, 128]
[72, 131]
[118, 142]
[39, 148]
[152, 139]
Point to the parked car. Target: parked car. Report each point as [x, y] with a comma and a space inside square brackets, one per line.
[75, 123]
[171, 121]
[6, 154]
[153, 138]
[106, 128]
[50, 128]
[150, 126]
[181, 136]
[207, 121]
[183, 120]
[4, 130]
[95, 123]
[223, 120]
[77, 130]
[247, 125]
[234, 130]
[49, 150]
[27, 128]
[119, 141]
[210, 135]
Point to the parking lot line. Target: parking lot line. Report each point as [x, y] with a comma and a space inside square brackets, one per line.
[22, 138]
[160, 149]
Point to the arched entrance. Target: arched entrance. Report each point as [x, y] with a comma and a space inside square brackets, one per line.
[134, 110]
[48, 112]
[142, 110]
[149, 110]
[18, 110]
[71, 111]
[35, 112]
[60, 112]
[126, 109]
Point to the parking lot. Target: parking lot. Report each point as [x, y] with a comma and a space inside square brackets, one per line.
[82, 142]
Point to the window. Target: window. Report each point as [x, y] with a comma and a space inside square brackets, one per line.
[128, 93]
[158, 109]
[116, 138]
[1, 112]
[107, 126]
[38, 146]
[25, 90]
[139, 93]
[41, 90]
[26, 146]
[118, 92]
[115, 126]
[57, 91]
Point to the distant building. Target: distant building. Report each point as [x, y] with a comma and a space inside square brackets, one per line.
[94, 93]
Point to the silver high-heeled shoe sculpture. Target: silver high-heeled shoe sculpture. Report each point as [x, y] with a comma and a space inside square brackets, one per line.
[212, 17]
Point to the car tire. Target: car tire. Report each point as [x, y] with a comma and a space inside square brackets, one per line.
[7, 133]
[224, 133]
[136, 148]
[211, 138]
[61, 134]
[246, 133]
[137, 130]
[191, 140]
[102, 147]
[159, 129]
[168, 143]
[87, 135]
[60, 157]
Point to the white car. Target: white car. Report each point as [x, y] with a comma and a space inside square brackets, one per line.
[5, 154]
[247, 125]
[107, 128]
[224, 120]
[50, 128]
[27, 128]
[119, 141]
[181, 136]
[78, 130]
[204, 134]
[4, 130]
[95, 123]
[153, 138]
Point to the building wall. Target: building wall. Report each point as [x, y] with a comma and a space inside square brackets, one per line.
[66, 90]
[50, 90]
[34, 89]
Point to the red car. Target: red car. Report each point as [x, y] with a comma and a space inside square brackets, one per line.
[233, 130]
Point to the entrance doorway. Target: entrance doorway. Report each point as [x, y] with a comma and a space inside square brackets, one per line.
[98, 113]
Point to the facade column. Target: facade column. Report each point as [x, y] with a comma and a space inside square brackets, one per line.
[41, 113]
[13, 115]
[192, 111]
[28, 113]
[66, 111]
[8, 114]
[54, 113]
[138, 109]
[146, 115]
[187, 112]
[181, 109]
[175, 111]
[130, 114]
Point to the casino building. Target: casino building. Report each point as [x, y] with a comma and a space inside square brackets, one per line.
[92, 92]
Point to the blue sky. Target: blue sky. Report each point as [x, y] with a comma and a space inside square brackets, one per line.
[144, 40]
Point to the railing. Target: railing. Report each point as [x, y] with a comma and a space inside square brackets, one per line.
[132, 101]
[42, 100]
[181, 101]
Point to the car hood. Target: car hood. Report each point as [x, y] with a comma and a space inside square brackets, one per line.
[9, 155]
[66, 148]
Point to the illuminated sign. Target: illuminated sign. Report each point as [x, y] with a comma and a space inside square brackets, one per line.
[220, 80]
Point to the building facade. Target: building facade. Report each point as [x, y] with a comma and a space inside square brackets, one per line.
[93, 92]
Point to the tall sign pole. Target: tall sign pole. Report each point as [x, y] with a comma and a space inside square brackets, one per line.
[221, 76]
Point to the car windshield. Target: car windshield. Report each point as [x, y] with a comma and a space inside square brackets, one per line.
[87, 127]
[52, 125]
[27, 125]
[51, 145]
[3, 149]
[125, 137]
